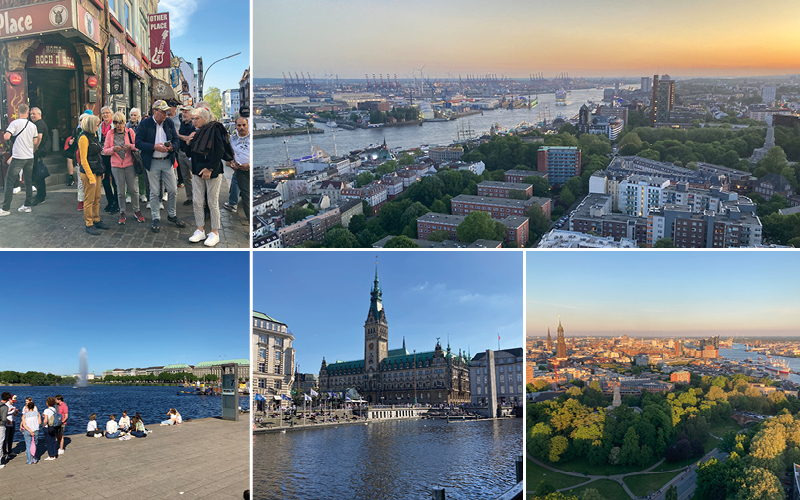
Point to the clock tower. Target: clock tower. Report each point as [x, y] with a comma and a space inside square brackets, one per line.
[376, 335]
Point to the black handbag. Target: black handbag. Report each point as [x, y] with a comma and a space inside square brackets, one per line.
[138, 166]
[40, 171]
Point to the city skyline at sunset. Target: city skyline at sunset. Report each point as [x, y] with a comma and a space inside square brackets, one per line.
[663, 293]
[514, 39]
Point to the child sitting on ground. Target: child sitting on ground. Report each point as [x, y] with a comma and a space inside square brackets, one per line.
[125, 422]
[91, 427]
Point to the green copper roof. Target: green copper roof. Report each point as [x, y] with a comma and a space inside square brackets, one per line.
[398, 352]
[346, 366]
[223, 362]
[263, 316]
[180, 365]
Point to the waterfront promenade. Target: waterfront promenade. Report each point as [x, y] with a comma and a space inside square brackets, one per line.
[204, 458]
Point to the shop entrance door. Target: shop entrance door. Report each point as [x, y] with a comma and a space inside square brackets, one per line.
[54, 92]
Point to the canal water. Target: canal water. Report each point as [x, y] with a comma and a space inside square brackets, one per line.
[738, 352]
[400, 459]
[152, 403]
[271, 151]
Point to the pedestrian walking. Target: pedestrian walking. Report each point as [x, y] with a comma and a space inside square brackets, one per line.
[29, 426]
[25, 139]
[92, 172]
[39, 152]
[120, 144]
[157, 139]
[109, 185]
[207, 149]
[240, 142]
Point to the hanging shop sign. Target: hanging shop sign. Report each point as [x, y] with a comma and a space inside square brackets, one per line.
[88, 24]
[14, 79]
[116, 74]
[129, 59]
[159, 40]
[51, 56]
[35, 19]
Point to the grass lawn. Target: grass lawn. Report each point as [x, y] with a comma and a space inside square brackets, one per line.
[722, 428]
[535, 473]
[582, 465]
[606, 487]
[644, 484]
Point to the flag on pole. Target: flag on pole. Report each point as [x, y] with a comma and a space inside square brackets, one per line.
[347, 397]
[285, 397]
[333, 394]
[307, 397]
[314, 393]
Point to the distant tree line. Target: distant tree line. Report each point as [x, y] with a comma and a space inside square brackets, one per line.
[34, 378]
[161, 377]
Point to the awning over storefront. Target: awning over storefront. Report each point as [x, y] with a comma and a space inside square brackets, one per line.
[163, 90]
[64, 16]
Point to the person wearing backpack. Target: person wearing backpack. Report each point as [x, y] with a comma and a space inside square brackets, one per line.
[25, 137]
[207, 147]
[119, 146]
[61, 426]
[50, 418]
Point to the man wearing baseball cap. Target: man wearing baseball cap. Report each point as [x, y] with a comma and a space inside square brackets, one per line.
[157, 139]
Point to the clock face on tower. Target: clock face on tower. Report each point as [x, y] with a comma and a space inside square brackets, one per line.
[371, 346]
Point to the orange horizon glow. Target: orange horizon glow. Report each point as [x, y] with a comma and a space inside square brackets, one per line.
[515, 38]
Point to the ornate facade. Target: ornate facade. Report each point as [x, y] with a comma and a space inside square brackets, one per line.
[398, 376]
[561, 349]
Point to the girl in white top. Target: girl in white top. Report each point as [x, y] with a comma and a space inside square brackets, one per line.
[29, 426]
[125, 420]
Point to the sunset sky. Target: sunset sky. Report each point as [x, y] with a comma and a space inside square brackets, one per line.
[663, 293]
[516, 37]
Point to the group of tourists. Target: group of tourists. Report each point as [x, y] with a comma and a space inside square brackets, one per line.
[174, 147]
[52, 422]
[123, 430]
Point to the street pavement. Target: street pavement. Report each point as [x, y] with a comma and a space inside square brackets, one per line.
[204, 458]
[58, 224]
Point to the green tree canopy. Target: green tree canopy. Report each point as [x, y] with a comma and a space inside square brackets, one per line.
[400, 242]
[480, 225]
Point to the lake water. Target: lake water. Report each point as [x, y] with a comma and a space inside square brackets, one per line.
[738, 352]
[152, 403]
[400, 459]
[271, 151]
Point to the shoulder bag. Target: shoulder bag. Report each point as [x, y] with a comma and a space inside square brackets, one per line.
[138, 166]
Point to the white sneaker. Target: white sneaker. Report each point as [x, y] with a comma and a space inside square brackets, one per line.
[128, 199]
[17, 190]
[4, 212]
[33, 189]
[165, 197]
[60, 452]
[161, 206]
[198, 236]
[143, 198]
[148, 204]
[25, 209]
[212, 240]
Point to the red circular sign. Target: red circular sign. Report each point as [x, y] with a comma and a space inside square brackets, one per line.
[15, 78]
[92, 81]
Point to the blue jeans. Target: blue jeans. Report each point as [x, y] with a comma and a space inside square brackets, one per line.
[161, 171]
[27, 436]
[112, 436]
[138, 434]
[233, 198]
[167, 422]
[51, 442]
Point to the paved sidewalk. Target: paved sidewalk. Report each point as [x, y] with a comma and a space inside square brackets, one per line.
[58, 224]
[204, 458]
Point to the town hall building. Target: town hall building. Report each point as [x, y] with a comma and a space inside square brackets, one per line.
[398, 376]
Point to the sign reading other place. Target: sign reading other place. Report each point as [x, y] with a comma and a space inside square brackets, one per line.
[159, 40]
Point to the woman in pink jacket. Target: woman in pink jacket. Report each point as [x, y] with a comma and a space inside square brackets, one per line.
[119, 144]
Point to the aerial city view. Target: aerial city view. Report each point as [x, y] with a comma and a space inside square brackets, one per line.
[110, 395]
[637, 389]
[404, 381]
[521, 130]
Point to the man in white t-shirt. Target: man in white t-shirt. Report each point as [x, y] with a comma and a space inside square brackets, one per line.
[26, 139]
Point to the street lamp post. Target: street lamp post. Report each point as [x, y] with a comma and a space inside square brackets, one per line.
[201, 76]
